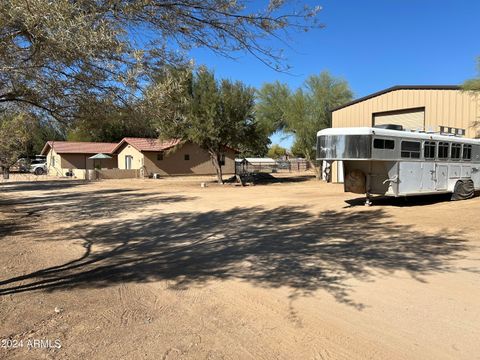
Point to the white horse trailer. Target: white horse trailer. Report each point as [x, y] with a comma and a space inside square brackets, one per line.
[401, 163]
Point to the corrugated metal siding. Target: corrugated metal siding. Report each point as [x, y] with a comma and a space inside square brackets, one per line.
[453, 108]
[442, 107]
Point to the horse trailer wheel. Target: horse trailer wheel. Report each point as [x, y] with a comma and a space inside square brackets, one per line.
[463, 190]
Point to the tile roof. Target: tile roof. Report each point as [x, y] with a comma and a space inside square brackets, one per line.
[141, 144]
[79, 147]
[146, 144]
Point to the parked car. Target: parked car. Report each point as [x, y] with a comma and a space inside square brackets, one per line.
[38, 167]
[25, 164]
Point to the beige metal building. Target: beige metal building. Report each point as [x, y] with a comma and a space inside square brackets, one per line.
[416, 107]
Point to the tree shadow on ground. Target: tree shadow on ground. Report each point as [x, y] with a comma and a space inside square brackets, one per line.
[268, 179]
[42, 185]
[285, 246]
[95, 204]
[276, 179]
[404, 201]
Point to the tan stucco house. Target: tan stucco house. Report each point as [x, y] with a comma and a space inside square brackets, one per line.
[66, 156]
[169, 157]
[149, 156]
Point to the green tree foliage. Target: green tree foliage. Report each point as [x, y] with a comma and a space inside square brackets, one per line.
[302, 112]
[56, 56]
[276, 151]
[54, 53]
[296, 150]
[272, 105]
[15, 134]
[215, 115]
[42, 131]
[473, 84]
[104, 120]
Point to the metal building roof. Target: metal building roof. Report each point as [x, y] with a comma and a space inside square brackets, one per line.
[399, 87]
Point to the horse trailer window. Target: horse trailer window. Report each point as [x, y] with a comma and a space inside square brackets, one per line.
[384, 144]
[467, 152]
[411, 149]
[344, 147]
[429, 150]
[456, 151]
[443, 150]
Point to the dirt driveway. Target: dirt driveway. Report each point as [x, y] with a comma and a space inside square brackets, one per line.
[165, 269]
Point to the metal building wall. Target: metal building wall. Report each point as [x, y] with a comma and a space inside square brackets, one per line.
[446, 107]
[453, 108]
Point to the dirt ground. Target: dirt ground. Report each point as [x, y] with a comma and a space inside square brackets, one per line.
[165, 269]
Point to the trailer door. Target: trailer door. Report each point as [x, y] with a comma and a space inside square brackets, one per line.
[410, 177]
[442, 177]
[428, 177]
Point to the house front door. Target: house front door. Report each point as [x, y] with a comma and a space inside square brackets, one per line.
[128, 162]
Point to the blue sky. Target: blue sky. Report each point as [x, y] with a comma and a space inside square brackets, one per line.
[373, 45]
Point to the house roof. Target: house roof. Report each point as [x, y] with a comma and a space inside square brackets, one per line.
[141, 144]
[147, 144]
[399, 87]
[78, 147]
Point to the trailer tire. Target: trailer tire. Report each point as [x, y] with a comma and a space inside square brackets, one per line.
[463, 190]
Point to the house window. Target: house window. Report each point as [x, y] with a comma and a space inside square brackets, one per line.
[467, 152]
[456, 151]
[160, 156]
[429, 150]
[222, 160]
[186, 157]
[411, 149]
[384, 144]
[442, 150]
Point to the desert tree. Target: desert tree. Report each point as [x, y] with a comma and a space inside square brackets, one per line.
[272, 105]
[473, 86]
[302, 112]
[15, 135]
[54, 53]
[276, 151]
[104, 120]
[216, 115]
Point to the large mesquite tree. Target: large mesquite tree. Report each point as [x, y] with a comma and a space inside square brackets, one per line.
[54, 54]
